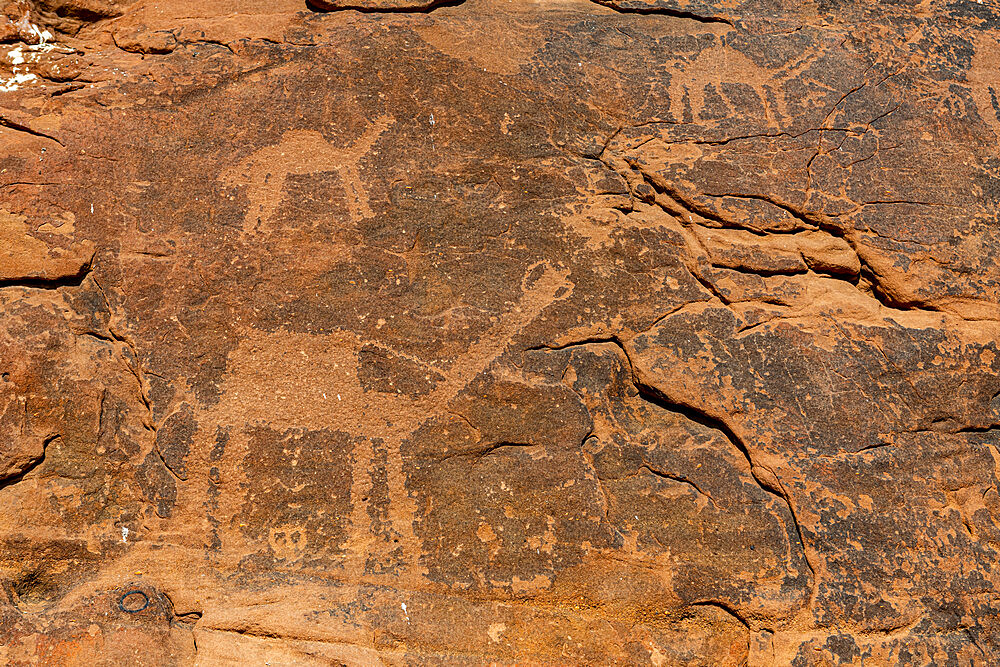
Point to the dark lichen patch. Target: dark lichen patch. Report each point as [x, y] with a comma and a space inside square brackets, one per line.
[174, 439]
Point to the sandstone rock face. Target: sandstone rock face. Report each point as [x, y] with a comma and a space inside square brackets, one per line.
[499, 331]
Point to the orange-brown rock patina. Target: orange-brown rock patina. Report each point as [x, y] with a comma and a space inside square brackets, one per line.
[499, 331]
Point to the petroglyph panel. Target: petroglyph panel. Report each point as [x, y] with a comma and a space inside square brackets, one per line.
[499, 332]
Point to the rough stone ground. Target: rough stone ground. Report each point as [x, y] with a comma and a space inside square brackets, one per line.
[499, 331]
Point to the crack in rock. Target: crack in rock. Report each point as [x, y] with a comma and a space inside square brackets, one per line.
[659, 10]
[382, 6]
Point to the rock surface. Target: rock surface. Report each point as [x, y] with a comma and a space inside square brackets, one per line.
[499, 331]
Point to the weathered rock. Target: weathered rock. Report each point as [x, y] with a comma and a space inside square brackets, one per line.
[390, 332]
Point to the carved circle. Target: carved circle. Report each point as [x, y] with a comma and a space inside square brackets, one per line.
[134, 601]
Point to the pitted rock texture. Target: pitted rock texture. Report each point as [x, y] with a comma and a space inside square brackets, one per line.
[499, 332]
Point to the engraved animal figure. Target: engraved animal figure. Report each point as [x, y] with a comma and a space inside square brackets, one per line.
[302, 152]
